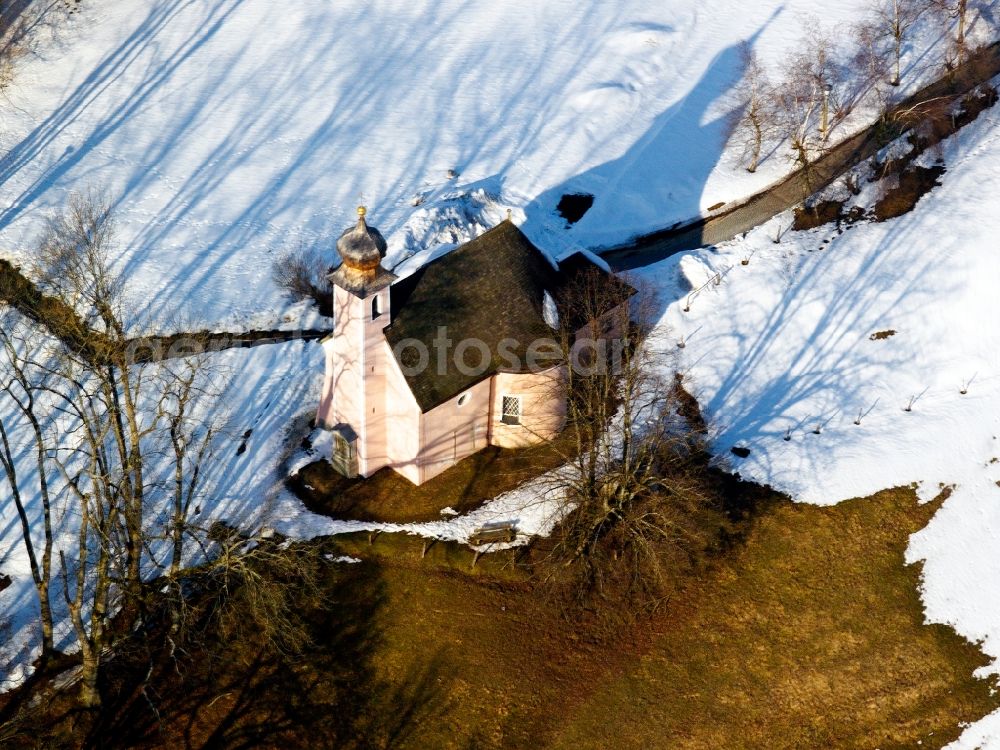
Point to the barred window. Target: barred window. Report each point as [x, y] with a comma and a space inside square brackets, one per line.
[511, 410]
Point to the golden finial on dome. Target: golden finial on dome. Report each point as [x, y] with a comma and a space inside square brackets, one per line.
[362, 211]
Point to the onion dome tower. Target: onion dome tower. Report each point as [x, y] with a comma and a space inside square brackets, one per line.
[353, 401]
[361, 250]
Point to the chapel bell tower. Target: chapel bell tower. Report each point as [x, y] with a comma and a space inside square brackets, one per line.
[353, 399]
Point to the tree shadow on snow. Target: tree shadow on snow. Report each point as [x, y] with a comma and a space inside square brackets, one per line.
[664, 173]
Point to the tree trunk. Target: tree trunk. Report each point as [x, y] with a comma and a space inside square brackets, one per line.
[899, 53]
[758, 144]
[48, 643]
[960, 39]
[40, 573]
[897, 37]
[90, 693]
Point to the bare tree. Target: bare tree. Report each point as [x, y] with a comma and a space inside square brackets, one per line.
[18, 387]
[634, 508]
[89, 576]
[811, 100]
[124, 450]
[115, 426]
[74, 264]
[754, 118]
[74, 444]
[303, 274]
[871, 66]
[886, 30]
[954, 13]
[192, 444]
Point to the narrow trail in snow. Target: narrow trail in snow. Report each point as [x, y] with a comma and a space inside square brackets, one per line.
[159, 348]
[795, 188]
[18, 291]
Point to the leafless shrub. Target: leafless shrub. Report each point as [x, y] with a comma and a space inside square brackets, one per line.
[73, 263]
[261, 585]
[303, 274]
[22, 24]
[639, 513]
[754, 119]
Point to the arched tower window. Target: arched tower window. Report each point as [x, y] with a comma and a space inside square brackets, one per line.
[376, 306]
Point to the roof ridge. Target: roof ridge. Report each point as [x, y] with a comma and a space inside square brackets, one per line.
[457, 250]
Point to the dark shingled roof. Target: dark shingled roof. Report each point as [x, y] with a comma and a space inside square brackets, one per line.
[491, 288]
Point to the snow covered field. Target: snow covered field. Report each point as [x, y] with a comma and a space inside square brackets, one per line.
[783, 346]
[231, 130]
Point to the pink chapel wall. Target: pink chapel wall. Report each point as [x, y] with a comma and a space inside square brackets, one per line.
[402, 423]
[455, 430]
[374, 452]
[342, 382]
[543, 407]
[364, 388]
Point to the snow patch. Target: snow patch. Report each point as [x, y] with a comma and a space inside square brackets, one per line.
[533, 509]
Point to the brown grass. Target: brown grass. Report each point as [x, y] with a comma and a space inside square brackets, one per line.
[388, 497]
[813, 638]
[809, 635]
[913, 184]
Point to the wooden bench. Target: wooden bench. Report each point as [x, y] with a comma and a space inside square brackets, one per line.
[495, 533]
[501, 533]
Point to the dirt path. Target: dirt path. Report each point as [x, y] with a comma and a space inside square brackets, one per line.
[792, 190]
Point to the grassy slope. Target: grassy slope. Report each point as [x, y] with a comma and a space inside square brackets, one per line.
[809, 635]
[812, 637]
